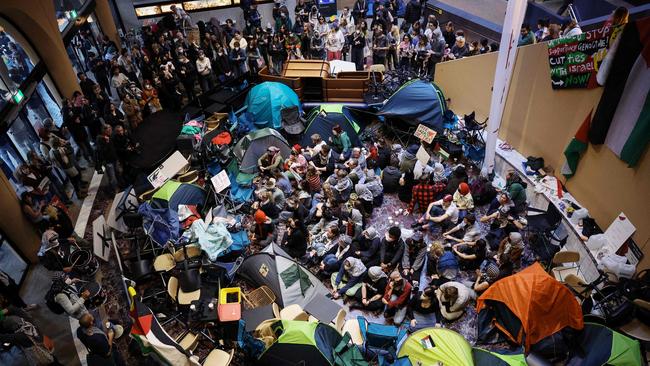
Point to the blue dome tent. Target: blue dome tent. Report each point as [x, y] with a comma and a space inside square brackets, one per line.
[416, 102]
[265, 101]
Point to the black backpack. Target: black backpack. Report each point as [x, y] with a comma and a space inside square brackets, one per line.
[51, 303]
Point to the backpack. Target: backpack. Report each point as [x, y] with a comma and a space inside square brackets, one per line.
[54, 306]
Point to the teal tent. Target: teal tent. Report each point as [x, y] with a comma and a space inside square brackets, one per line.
[265, 102]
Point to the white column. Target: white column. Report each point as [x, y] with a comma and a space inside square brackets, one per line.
[505, 65]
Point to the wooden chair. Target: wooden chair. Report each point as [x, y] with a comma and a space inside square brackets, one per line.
[188, 341]
[218, 357]
[560, 268]
[351, 326]
[293, 312]
[259, 297]
[339, 320]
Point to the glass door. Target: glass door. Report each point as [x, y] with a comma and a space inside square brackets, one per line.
[11, 261]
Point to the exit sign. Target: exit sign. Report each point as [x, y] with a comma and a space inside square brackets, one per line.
[18, 96]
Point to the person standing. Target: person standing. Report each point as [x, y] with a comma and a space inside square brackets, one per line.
[10, 290]
[357, 45]
[107, 156]
[101, 350]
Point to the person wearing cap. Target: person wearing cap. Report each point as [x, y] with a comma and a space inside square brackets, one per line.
[392, 249]
[277, 196]
[414, 254]
[463, 199]
[423, 194]
[297, 163]
[340, 142]
[270, 160]
[263, 228]
[99, 343]
[508, 255]
[352, 271]
[442, 212]
[369, 247]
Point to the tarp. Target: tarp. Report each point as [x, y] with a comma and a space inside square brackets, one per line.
[265, 101]
[416, 102]
[301, 343]
[290, 282]
[430, 346]
[528, 307]
[250, 147]
[599, 345]
[322, 124]
[151, 336]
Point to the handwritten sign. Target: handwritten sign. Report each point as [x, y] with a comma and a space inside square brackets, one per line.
[220, 181]
[425, 134]
[575, 60]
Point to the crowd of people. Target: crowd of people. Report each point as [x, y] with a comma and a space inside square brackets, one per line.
[318, 205]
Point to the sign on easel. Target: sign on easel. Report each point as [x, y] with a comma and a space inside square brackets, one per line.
[220, 181]
[425, 134]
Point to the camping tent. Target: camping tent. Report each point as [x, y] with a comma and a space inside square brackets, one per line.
[290, 282]
[301, 343]
[486, 358]
[265, 101]
[252, 146]
[416, 102]
[599, 345]
[173, 193]
[429, 346]
[151, 337]
[527, 307]
[322, 119]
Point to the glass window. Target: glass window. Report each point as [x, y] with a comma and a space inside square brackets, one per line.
[11, 262]
[62, 9]
[23, 136]
[9, 160]
[36, 111]
[16, 64]
[50, 103]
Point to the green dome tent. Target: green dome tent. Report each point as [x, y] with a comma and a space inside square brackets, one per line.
[484, 357]
[309, 343]
[599, 345]
[252, 146]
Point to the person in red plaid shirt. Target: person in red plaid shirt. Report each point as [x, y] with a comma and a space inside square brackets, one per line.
[424, 193]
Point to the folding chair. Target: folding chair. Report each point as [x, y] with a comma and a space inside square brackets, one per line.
[560, 270]
[292, 122]
[259, 297]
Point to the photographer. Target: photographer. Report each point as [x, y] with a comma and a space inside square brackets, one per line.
[379, 46]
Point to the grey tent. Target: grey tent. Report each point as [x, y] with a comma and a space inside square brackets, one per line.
[252, 146]
[290, 282]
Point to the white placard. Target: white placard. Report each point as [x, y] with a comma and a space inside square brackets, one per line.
[618, 232]
[174, 164]
[423, 156]
[220, 181]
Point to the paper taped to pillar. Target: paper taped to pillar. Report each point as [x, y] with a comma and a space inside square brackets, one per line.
[574, 61]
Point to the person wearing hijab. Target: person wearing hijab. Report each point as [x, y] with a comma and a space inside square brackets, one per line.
[372, 290]
[52, 255]
[369, 246]
[373, 183]
[353, 271]
[366, 198]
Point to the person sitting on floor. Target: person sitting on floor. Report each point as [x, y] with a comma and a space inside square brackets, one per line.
[333, 259]
[463, 199]
[396, 298]
[353, 271]
[442, 212]
[372, 291]
[487, 274]
[424, 193]
[277, 196]
[453, 298]
[392, 249]
[263, 229]
[266, 204]
[270, 160]
[369, 247]
[414, 255]
[340, 142]
[297, 163]
[423, 309]
[467, 232]
[296, 244]
[471, 255]
[323, 243]
[508, 255]
[499, 220]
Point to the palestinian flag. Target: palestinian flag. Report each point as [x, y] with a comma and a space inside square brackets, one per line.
[575, 148]
[622, 118]
[153, 338]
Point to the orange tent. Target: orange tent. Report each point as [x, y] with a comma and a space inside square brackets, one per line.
[528, 307]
